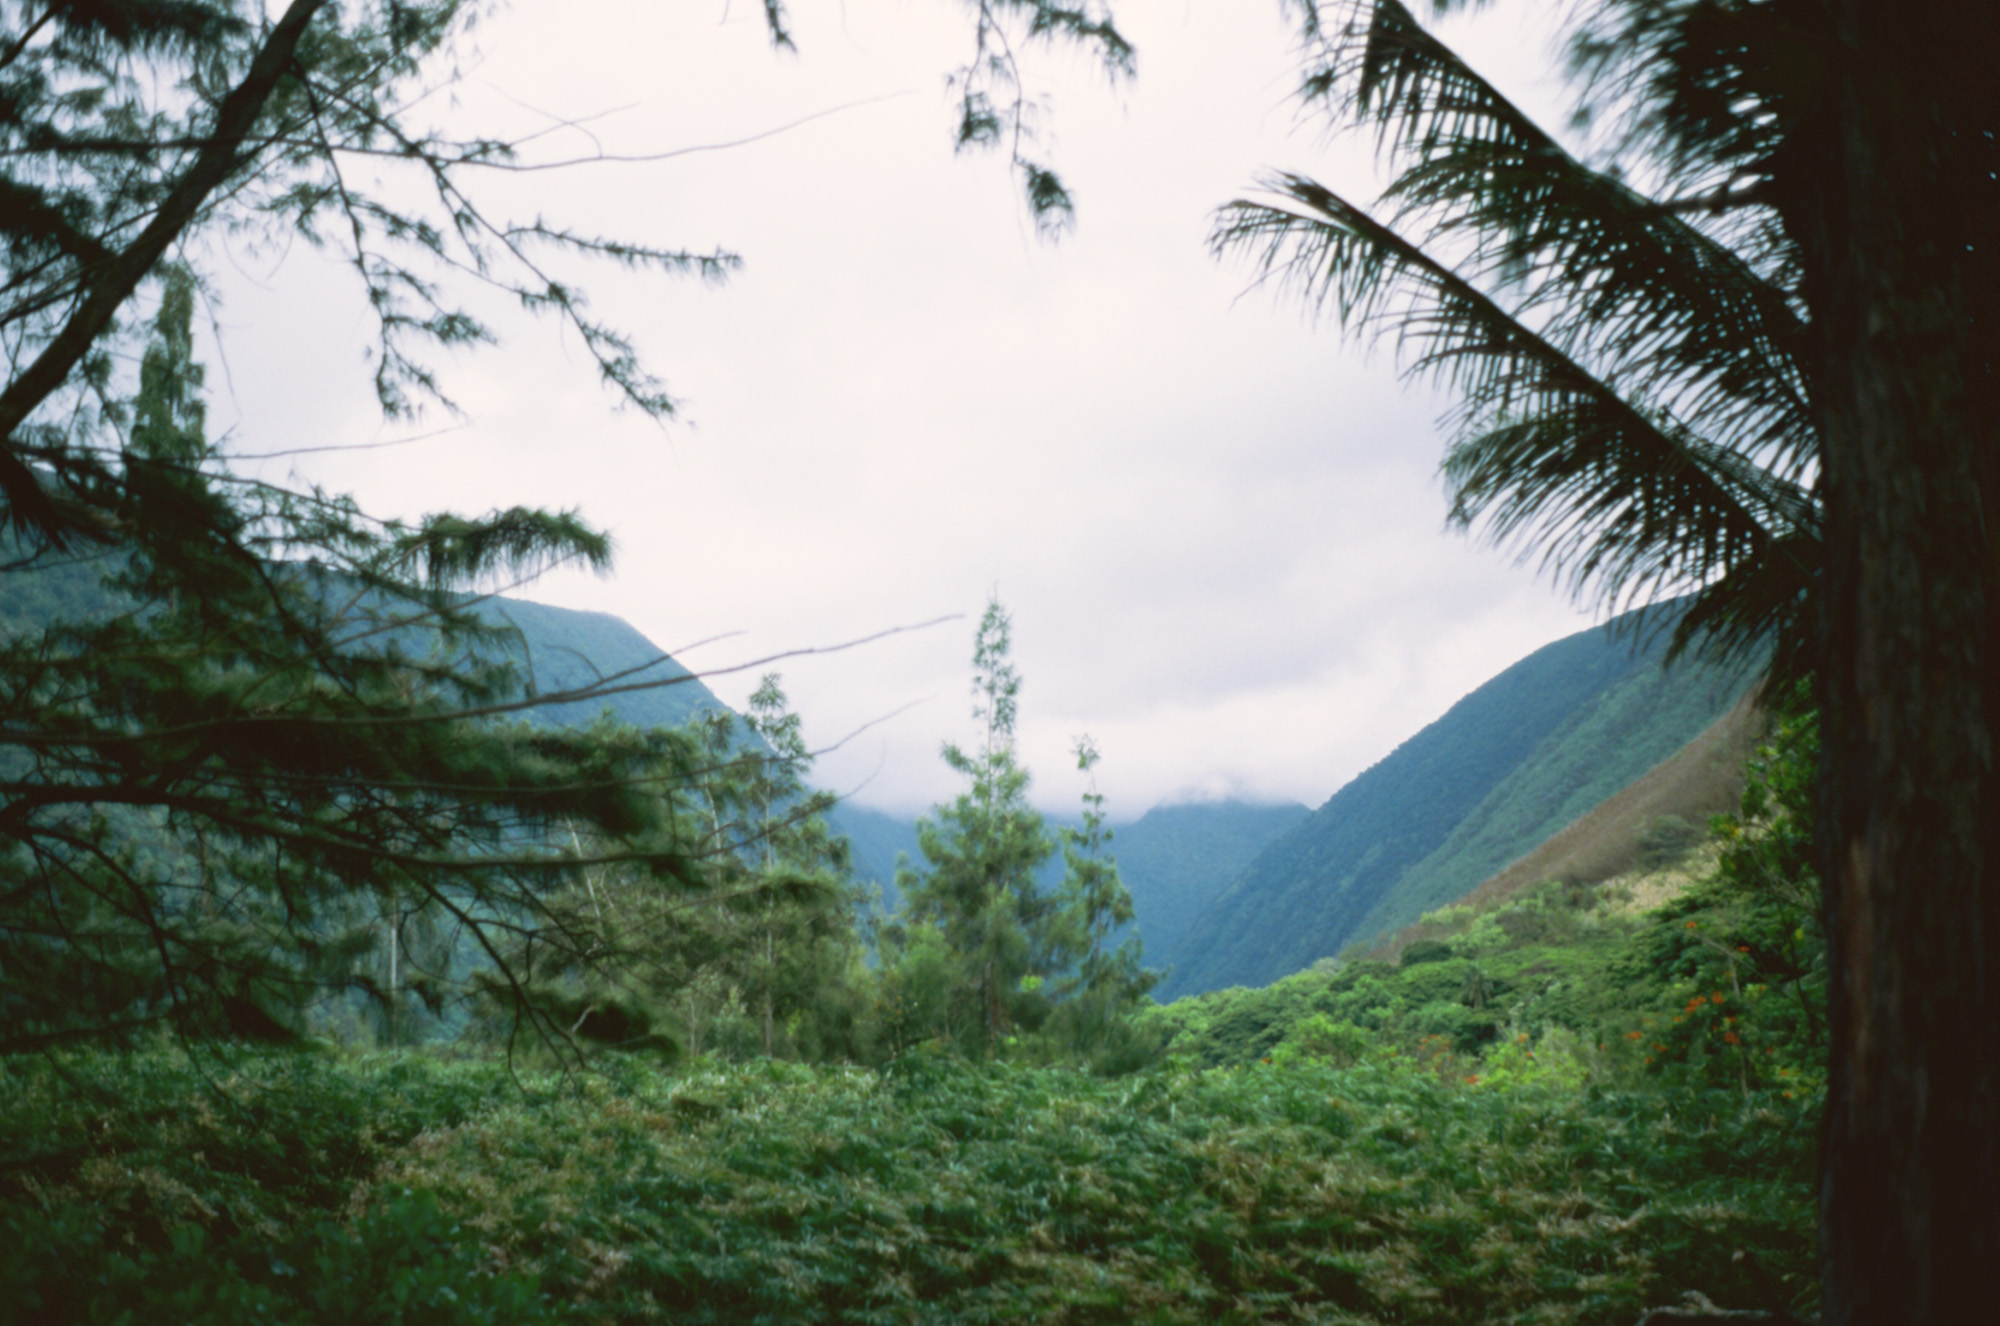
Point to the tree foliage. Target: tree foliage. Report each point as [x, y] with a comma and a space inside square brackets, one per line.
[131, 129]
[756, 953]
[275, 750]
[1630, 405]
[976, 892]
[985, 955]
[1108, 984]
[938, 1191]
[282, 728]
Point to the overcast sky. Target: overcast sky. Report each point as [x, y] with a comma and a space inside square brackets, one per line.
[1219, 529]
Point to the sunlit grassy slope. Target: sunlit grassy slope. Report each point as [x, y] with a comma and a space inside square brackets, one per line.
[1702, 779]
[1585, 960]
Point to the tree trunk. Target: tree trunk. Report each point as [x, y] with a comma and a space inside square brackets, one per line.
[1885, 184]
[770, 969]
[389, 1009]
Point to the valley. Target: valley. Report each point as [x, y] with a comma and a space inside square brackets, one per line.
[1393, 1033]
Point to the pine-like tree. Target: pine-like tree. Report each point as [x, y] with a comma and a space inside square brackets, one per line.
[1109, 981]
[131, 127]
[755, 952]
[278, 733]
[277, 742]
[804, 950]
[977, 886]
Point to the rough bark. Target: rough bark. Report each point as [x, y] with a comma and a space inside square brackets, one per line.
[1886, 186]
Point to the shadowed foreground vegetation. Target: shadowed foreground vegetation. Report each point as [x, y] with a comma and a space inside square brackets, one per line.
[1558, 1108]
[290, 1187]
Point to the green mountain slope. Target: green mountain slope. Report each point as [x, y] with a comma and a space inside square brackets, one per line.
[1611, 740]
[563, 649]
[875, 838]
[1703, 779]
[55, 589]
[1175, 860]
[1505, 768]
[560, 649]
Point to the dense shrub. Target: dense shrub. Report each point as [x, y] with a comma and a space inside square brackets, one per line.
[932, 1191]
[145, 1187]
[1668, 839]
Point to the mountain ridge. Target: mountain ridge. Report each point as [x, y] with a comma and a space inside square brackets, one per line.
[1542, 723]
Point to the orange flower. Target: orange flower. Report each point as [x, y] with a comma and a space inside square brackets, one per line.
[1661, 1048]
[1717, 997]
[1730, 1037]
[1633, 1035]
[1742, 948]
[1691, 925]
[1471, 1081]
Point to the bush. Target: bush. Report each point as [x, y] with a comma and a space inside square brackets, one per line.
[403, 1262]
[1426, 950]
[1319, 1037]
[1393, 1189]
[1667, 840]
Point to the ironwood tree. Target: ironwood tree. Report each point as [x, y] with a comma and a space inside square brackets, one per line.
[255, 722]
[976, 886]
[1108, 983]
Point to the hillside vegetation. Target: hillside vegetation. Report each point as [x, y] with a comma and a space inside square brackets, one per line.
[556, 649]
[1503, 770]
[1559, 1102]
[294, 1189]
[1176, 859]
[1669, 803]
[563, 649]
[1703, 962]
[1558, 1107]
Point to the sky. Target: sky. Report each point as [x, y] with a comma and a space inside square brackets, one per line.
[1218, 527]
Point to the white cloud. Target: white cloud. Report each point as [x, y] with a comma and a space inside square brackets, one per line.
[1218, 528]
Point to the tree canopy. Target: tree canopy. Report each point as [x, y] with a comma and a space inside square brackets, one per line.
[1630, 405]
[256, 727]
[985, 952]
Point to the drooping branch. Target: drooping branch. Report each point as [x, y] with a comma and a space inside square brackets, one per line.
[30, 507]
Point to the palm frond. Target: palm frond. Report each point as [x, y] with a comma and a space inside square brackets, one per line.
[1618, 494]
[1764, 602]
[1632, 289]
